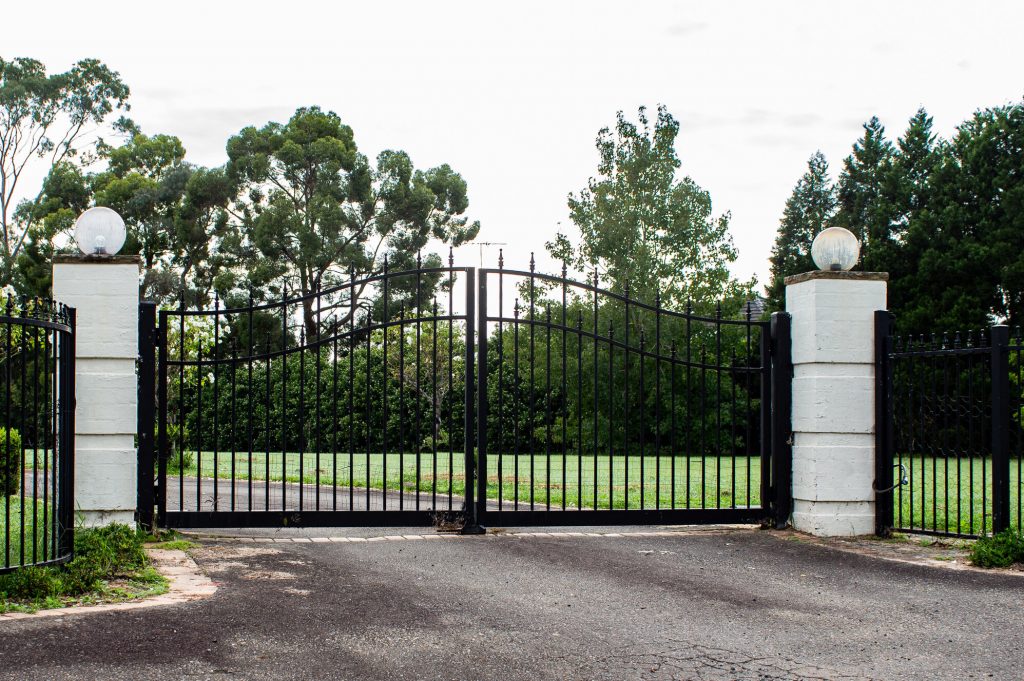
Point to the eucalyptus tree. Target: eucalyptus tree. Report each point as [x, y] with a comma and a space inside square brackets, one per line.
[313, 212]
[46, 124]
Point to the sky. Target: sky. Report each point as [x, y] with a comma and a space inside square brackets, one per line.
[512, 95]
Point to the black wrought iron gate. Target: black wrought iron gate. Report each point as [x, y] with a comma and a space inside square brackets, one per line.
[466, 397]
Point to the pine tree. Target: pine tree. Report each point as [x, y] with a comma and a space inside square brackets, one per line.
[865, 197]
[809, 210]
[914, 162]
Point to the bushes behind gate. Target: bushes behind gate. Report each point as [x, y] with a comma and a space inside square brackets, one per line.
[10, 461]
[584, 396]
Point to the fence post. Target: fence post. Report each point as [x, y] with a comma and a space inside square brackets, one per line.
[163, 448]
[146, 411]
[472, 524]
[1000, 428]
[481, 409]
[883, 424]
[67, 403]
[782, 424]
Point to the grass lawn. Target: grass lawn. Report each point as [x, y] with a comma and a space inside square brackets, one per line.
[551, 480]
[35, 537]
[947, 495]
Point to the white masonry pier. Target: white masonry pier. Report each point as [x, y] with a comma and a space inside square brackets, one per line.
[834, 399]
[105, 291]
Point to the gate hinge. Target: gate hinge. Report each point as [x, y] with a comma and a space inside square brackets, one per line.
[156, 336]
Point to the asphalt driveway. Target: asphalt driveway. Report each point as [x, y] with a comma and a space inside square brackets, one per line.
[693, 605]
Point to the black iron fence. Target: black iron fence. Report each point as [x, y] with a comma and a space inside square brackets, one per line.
[951, 431]
[37, 374]
[396, 397]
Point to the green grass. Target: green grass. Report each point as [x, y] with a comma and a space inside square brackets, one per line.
[174, 544]
[952, 496]
[109, 565]
[560, 482]
[18, 541]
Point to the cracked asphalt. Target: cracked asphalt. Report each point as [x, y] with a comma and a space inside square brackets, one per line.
[737, 604]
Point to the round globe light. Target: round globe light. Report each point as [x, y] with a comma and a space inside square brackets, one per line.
[99, 231]
[835, 249]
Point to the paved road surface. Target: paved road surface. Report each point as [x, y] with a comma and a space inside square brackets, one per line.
[737, 605]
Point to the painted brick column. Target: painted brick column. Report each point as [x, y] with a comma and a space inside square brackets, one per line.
[105, 290]
[834, 399]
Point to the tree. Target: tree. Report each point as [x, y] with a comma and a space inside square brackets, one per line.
[809, 209]
[644, 228]
[913, 164]
[174, 213]
[865, 197]
[313, 211]
[44, 121]
[969, 240]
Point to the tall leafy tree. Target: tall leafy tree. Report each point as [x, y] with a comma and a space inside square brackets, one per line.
[809, 209]
[174, 213]
[313, 210]
[647, 229]
[44, 124]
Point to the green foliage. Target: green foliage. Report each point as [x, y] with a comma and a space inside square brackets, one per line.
[809, 210]
[313, 210]
[44, 122]
[945, 219]
[648, 231]
[998, 551]
[10, 461]
[101, 554]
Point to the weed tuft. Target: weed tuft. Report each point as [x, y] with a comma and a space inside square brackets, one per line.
[998, 551]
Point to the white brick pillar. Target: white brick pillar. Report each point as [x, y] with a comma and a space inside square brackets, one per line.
[834, 399]
[105, 291]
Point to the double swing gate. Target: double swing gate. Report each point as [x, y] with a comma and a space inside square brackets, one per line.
[462, 397]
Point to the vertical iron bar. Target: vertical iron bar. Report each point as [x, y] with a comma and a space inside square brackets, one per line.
[472, 525]
[482, 406]
[1000, 428]
[564, 397]
[782, 428]
[146, 413]
[883, 424]
[384, 395]
[547, 406]
[318, 442]
[216, 402]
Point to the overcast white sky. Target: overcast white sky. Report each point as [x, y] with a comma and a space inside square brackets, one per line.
[512, 95]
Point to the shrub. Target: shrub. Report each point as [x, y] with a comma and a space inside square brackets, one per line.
[101, 554]
[10, 461]
[1001, 550]
[181, 462]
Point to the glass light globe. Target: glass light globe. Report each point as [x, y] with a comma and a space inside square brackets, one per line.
[99, 230]
[835, 249]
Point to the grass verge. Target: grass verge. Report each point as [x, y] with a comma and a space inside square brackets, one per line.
[110, 566]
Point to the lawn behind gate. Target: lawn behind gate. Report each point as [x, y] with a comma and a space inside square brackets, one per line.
[661, 481]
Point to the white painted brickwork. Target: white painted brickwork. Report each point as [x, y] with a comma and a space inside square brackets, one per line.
[833, 403]
[106, 295]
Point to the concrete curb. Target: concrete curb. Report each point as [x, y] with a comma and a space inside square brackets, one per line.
[187, 583]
